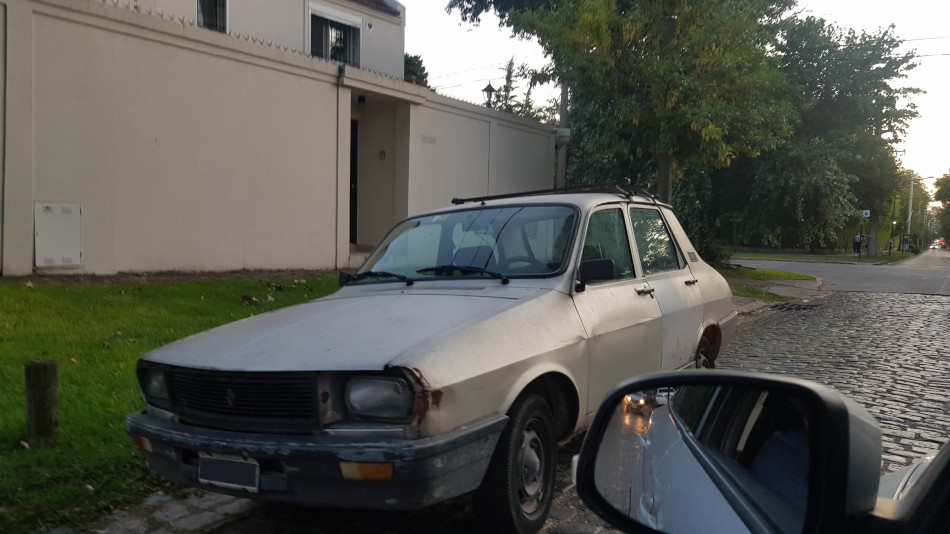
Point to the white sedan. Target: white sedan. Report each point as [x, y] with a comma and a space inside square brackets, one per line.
[472, 341]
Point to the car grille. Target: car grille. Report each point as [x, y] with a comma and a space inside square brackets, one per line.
[247, 401]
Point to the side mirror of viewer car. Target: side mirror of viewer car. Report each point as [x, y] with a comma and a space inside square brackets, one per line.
[740, 452]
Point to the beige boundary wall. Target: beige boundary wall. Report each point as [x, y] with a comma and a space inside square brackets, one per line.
[192, 150]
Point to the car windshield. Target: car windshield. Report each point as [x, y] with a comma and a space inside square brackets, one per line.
[509, 241]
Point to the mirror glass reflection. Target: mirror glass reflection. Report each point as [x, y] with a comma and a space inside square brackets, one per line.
[706, 457]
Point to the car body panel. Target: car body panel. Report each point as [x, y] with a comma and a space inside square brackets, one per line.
[682, 307]
[341, 332]
[626, 334]
[666, 460]
[482, 368]
[718, 311]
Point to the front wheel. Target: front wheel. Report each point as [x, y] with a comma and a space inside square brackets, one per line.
[705, 359]
[515, 495]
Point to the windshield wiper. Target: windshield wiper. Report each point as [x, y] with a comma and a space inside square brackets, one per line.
[464, 269]
[369, 274]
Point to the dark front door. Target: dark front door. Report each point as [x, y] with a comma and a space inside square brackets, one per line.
[354, 172]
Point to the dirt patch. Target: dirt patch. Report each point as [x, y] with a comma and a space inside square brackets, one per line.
[173, 276]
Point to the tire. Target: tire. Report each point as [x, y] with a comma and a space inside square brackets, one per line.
[705, 358]
[516, 493]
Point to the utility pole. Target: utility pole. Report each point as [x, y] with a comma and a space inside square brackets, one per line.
[910, 207]
[562, 138]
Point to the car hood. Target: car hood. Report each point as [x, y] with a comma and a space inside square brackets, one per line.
[362, 331]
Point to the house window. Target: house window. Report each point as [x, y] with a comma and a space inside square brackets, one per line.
[334, 41]
[213, 15]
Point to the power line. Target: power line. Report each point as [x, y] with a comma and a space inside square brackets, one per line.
[490, 65]
[928, 38]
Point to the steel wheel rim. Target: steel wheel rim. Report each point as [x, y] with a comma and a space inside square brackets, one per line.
[531, 470]
[702, 359]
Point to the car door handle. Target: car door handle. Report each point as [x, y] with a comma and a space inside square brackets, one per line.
[692, 282]
[645, 291]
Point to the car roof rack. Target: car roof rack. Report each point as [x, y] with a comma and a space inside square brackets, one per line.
[624, 188]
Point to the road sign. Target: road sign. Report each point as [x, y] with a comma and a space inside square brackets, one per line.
[866, 214]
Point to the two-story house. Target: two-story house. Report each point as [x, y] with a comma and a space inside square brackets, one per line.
[367, 34]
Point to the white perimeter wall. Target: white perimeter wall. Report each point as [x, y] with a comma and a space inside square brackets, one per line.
[192, 150]
[467, 151]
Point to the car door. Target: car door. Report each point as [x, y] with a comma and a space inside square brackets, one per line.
[674, 286]
[620, 316]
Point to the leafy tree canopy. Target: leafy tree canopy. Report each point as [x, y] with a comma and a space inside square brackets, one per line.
[943, 189]
[415, 71]
[664, 81]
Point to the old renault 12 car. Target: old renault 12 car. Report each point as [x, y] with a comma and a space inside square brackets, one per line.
[472, 340]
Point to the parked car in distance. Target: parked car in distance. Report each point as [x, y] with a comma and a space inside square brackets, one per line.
[750, 452]
[472, 340]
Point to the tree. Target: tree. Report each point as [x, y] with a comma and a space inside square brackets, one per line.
[943, 189]
[943, 213]
[504, 98]
[846, 95]
[657, 85]
[415, 71]
[842, 88]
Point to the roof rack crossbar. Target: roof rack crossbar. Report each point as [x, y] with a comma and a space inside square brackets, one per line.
[625, 189]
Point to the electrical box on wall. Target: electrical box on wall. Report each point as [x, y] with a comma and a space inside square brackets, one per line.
[57, 232]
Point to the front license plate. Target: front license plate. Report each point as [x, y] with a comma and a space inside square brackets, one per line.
[231, 472]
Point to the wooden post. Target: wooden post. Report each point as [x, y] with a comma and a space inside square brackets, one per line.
[42, 402]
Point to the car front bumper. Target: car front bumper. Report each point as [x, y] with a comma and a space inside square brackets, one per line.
[318, 470]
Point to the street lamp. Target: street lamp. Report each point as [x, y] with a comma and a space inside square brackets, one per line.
[890, 242]
[489, 91]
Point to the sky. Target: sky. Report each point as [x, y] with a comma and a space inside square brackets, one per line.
[462, 59]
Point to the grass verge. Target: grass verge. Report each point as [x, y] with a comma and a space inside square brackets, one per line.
[822, 258]
[746, 273]
[97, 332]
[743, 290]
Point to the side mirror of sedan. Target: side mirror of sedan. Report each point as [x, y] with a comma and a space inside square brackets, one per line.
[741, 452]
[599, 269]
[344, 278]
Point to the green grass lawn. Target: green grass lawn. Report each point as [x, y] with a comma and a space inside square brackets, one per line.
[746, 273]
[822, 258]
[97, 332]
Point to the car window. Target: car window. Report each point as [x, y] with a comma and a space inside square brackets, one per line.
[607, 239]
[690, 404]
[761, 433]
[418, 244]
[511, 240]
[654, 244]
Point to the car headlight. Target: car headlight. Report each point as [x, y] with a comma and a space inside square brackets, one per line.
[152, 382]
[379, 397]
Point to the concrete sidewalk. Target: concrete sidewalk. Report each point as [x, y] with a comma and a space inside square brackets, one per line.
[802, 290]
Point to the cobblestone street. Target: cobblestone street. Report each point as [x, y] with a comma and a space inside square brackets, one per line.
[888, 352]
